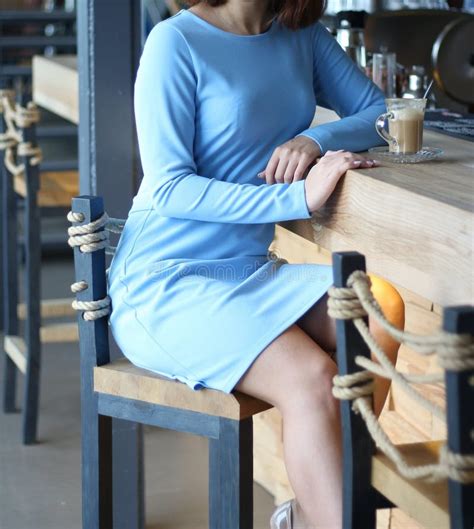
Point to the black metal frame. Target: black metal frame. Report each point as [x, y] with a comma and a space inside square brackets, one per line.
[230, 441]
[107, 61]
[32, 288]
[360, 499]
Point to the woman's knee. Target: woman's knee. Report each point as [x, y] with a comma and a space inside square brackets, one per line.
[311, 388]
[293, 367]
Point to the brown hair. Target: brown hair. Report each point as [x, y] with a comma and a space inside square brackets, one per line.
[294, 14]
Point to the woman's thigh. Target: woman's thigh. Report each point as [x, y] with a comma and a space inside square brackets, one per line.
[291, 368]
[319, 326]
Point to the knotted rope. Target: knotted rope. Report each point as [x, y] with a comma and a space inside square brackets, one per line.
[89, 238]
[455, 352]
[15, 116]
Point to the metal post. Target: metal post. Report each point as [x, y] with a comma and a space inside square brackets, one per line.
[108, 40]
[231, 475]
[359, 500]
[32, 282]
[10, 280]
[460, 418]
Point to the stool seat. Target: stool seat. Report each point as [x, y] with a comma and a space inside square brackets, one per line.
[56, 188]
[121, 378]
[425, 502]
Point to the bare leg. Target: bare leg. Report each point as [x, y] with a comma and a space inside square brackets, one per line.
[295, 375]
[322, 329]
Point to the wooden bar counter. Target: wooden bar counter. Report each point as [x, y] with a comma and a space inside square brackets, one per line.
[413, 222]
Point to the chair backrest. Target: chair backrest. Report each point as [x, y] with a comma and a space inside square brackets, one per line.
[90, 272]
[358, 443]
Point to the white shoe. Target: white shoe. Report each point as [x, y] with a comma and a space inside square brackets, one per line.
[282, 518]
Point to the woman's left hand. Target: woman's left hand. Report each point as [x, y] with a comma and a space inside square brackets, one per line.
[290, 161]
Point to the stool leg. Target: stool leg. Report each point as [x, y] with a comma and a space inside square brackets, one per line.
[96, 468]
[32, 295]
[231, 476]
[10, 283]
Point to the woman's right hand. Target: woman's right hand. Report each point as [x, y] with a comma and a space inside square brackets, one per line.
[324, 176]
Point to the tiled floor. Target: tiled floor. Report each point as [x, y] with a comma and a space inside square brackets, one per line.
[40, 485]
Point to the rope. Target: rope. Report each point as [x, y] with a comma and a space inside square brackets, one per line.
[26, 116]
[9, 94]
[93, 310]
[11, 137]
[115, 225]
[455, 352]
[17, 116]
[79, 286]
[27, 149]
[86, 236]
[9, 161]
[89, 239]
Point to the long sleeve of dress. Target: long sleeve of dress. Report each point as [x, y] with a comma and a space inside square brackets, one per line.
[165, 107]
[335, 76]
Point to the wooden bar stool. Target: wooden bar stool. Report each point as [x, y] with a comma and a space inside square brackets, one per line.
[371, 474]
[121, 390]
[22, 176]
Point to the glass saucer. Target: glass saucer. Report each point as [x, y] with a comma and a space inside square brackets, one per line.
[425, 154]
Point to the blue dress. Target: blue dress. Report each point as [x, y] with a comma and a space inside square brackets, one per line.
[195, 294]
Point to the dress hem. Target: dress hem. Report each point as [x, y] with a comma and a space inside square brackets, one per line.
[265, 341]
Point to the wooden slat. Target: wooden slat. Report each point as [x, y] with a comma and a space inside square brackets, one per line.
[56, 188]
[427, 503]
[59, 332]
[56, 85]
[50, 308]
[297, 249]
[400, 520]
[15, 348]
[123, 379]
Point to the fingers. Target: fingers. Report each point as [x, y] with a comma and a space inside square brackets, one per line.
[272, 166]
[286, 166]
[281, 169]
[345, 156]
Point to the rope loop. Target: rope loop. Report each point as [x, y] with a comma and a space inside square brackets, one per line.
[12, 136]
[27, 116]
[353, 385]
[87, 236]
[9, 161]
[456, 352]
[344, 304]
[27, 149]
[8, 94]
[93, 310]
[458, 467]
[79, 286]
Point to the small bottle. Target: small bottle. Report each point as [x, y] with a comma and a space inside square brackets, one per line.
[416, 84]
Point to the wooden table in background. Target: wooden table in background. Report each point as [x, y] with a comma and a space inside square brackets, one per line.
[56, 85]
[56, 88]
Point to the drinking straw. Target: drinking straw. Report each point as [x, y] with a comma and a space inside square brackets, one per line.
[428, 89]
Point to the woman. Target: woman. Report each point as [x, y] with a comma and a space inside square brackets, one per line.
[225, 93]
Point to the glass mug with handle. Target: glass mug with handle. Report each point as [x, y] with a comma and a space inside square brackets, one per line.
[405, 125]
